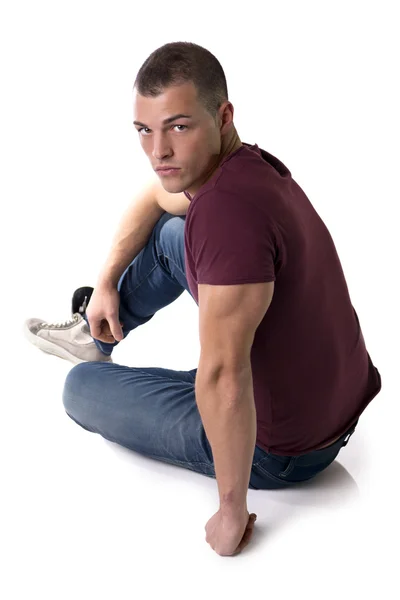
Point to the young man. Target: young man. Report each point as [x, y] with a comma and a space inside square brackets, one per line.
[284, 373]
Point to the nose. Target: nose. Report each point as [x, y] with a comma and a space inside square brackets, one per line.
[161, 148]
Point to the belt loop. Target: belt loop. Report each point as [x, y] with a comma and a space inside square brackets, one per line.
[290, 467]
[350, 433]
[348, 436]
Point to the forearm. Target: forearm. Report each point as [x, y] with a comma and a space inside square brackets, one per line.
[133, 233]
[228, 413]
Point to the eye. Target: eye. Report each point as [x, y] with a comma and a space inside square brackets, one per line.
[140, 128]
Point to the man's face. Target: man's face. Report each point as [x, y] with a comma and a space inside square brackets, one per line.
[190, 144]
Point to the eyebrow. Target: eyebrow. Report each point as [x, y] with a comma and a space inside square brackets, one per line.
[166, 121]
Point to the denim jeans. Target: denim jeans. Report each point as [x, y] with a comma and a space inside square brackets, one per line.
[151, 410]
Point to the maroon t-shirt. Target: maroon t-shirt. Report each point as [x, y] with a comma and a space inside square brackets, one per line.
[312, 375]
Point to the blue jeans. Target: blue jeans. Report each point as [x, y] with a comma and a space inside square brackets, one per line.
[152, 410]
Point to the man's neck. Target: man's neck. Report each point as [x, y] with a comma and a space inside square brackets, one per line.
[227, 148]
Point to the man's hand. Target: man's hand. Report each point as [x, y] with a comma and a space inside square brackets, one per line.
[102, 313]
[228, 535]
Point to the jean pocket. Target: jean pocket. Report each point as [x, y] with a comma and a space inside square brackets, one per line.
[269, 468]
[289, 472]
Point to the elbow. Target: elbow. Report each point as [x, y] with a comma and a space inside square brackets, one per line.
[222, 372]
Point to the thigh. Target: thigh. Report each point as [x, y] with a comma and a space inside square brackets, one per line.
[148, 409]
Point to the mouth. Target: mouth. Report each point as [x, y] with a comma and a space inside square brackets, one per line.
[167, 171]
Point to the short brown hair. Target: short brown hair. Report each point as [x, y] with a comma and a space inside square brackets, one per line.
[180, 62]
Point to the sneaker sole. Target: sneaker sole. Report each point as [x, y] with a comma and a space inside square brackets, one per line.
[51, 348]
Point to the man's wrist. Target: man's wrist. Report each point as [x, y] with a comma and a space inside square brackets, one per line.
[232, 511]
[106, 283]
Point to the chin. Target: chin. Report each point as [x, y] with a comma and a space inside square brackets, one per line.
[173, 187]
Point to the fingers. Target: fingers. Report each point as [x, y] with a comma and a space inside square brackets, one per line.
[116, 329]
[95, 329]
[101, 330]
[247, 534]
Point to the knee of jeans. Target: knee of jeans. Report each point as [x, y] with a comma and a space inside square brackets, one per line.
[72, 391]
[171, 228]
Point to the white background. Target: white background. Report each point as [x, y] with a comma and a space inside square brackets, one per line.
[314, 83]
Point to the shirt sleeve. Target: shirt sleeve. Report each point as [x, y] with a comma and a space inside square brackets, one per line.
[231, 240]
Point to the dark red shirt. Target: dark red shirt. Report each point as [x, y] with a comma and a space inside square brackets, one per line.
[312, 375]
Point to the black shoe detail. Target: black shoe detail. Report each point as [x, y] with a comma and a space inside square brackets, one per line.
[80, 299]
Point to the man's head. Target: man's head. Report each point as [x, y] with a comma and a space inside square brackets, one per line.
[186, 79]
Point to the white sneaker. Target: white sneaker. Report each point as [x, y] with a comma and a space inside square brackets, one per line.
[70, 340]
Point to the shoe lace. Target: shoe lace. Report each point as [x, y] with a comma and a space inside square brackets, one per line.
[62, 324]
